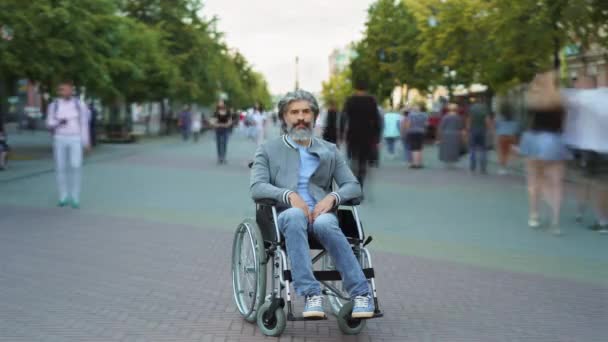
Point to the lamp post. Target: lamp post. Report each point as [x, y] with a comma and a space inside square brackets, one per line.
[297, 73]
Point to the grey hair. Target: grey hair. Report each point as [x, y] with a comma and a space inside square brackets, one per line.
[298, 95]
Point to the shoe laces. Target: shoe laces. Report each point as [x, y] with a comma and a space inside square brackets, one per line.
[314, 301]
[362, 301]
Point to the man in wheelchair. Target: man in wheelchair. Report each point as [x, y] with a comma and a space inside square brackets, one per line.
[297, 171]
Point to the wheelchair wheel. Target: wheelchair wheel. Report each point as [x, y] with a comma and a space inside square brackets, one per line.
[248, 269]
[335, 302]
[347, 324]
[271, 323]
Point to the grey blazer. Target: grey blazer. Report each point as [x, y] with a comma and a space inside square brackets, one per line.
[274, 174]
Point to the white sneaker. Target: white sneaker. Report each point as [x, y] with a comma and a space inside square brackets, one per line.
[314, 307]
[555, 230]
[363, 308]
[533, 222]
[502, 172]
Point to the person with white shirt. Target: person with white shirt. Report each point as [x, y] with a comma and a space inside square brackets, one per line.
[259, 123]
[68, 119]
[585, 130]
[196, 126]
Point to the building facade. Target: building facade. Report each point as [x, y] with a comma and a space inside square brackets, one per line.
[590, 64]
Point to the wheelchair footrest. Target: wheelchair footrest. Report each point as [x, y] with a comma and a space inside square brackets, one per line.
[330, 275]
[377, 314]
[292, 317]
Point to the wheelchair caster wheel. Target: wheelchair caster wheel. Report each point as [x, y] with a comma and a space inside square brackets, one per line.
[271, 323]
[347, 324]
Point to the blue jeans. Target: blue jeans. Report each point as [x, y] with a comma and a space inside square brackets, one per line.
[221, 138]
[185, 133]
[406, 150]
[294, 226]
[390, 144]
[477, 146]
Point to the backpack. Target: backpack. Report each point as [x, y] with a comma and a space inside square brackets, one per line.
[55, 105]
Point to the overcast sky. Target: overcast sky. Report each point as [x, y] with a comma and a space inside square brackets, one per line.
[271, 33]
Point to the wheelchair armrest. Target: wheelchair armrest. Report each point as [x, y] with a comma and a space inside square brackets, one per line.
[267, 201]
[351, 203]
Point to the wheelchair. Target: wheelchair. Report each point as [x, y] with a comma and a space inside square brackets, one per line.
[258, 247]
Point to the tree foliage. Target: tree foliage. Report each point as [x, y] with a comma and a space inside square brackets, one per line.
[387, 55]
[126, 50]
[494, 42]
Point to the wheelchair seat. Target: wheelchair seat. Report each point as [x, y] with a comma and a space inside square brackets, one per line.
[346, 221]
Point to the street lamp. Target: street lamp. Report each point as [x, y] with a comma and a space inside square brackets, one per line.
[297, 73]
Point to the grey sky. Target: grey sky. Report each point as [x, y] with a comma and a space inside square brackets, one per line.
[270, 33]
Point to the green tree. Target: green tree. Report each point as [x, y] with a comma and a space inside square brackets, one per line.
[388, 53]
[502, 43]
[58, 39]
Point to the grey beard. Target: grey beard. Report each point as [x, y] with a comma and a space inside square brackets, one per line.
[300, 133]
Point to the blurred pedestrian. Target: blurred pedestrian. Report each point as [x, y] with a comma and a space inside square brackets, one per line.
[197, 125]
[415, 128]
[374, 160]
[391, 132]
[403, 132]
[222, 121]
[479, 124]
[507, 129]
[543, 146]
[185, 122]
[330, 127]
[259, 124]
[585, 131]
[362, 129]
[451, 135]
[93, 123]
[4, 149]
[68, 119]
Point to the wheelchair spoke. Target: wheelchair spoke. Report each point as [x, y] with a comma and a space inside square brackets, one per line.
[247, 271]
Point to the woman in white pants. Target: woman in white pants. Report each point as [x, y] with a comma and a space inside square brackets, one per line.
[259, 124]
[68, 118]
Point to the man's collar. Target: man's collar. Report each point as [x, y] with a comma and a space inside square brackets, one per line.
[289, 142]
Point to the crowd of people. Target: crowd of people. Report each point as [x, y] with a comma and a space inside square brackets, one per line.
[559, 136]
[562, 135]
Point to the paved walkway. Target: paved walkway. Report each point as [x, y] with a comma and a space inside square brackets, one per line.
[147, 256]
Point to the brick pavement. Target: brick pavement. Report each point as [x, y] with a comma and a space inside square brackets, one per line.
[83, 277]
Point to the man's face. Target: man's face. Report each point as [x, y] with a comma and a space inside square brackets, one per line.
[65, 90]
[299, 119]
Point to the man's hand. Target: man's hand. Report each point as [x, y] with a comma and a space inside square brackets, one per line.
[297, 202]
[324, 206]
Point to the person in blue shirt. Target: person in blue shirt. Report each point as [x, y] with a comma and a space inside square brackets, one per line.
[391, 131]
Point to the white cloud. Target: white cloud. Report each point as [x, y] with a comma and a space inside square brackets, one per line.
[271, 33]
